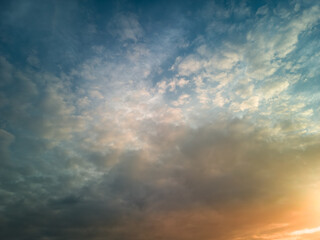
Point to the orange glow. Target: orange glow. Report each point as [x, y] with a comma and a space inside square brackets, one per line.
[306, 231]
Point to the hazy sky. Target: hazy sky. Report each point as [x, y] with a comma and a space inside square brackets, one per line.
[159, 120]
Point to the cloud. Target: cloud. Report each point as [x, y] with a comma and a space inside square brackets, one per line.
[48, 114]
[306, 231]
[251, 104]
[272, 88]
[208, 130]
[5, 71]
[6, 140]
[183, 99]
[184, 173]
[189, 65]
[126, 27]
[266, 45]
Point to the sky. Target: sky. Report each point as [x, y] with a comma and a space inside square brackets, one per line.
[164, 120]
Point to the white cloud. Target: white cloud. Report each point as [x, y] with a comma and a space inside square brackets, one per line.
[244, 90]
[189, 65]
[162, 86]
[171, 84]
[273, 88]
[182, 82]
[307, 113]
[183, 99]
[219, 100]
[266, 48]
[251, 104]
[226, 62]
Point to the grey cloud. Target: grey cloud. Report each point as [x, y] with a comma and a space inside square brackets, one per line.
[126, 27]
[41, 103]
[5, 71]
[6, 139]
[217, 167]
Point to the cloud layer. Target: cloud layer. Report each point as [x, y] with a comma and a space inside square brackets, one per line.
[152, 121]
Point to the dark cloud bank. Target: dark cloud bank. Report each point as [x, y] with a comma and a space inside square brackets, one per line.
[209, 182]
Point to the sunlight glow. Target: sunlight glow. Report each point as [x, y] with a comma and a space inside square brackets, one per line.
[306, 231]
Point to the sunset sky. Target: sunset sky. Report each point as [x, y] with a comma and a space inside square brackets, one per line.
[159, 120]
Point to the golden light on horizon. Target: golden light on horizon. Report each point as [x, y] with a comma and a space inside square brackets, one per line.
[306, 231]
